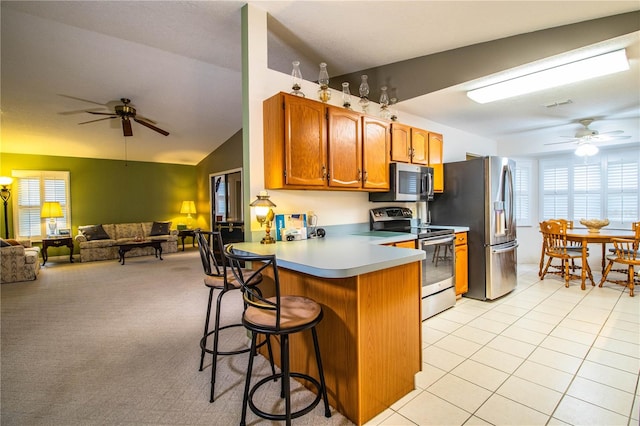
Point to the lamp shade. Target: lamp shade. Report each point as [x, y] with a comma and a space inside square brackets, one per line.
[5, 180]
[51, 209]
[586, 150]
[188, 207]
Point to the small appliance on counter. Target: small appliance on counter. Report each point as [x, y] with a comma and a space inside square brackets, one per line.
[438, 267]
[291, 227]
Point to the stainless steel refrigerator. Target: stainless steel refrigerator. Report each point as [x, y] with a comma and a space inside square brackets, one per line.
[479, 193]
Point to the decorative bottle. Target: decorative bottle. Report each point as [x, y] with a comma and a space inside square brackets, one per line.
[296, 79]
[346, 95]
[364, 92]
[384, 102]
[323, 79]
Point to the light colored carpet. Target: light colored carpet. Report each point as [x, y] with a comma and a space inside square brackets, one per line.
[103, 344]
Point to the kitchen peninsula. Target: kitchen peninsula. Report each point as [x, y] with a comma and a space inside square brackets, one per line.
[370, 336]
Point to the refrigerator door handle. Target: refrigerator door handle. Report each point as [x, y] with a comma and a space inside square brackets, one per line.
[508, 198]
[505, 250]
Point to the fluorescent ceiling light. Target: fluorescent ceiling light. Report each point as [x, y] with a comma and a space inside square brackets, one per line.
[584, 69]
[586, 150]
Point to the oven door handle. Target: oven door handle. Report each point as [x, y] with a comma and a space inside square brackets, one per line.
[431, 242]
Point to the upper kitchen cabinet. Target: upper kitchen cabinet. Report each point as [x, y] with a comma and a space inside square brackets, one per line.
[409, 145]
[436, 161]
[295, 143]
[345, 148]
[311, 145]
[375, 158]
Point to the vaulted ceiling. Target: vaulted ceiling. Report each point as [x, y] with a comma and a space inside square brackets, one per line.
[179, 63]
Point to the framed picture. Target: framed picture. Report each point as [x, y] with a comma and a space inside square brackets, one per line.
[65, 231]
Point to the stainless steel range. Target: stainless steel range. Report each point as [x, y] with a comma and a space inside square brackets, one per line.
[438, 268]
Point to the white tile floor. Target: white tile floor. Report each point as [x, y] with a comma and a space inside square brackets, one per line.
[542, 355]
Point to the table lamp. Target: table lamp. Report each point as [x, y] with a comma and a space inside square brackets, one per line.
[52, 210]
[188, 207]
[264, 215]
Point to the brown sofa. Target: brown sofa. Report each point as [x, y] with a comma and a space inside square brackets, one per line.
[100, 242]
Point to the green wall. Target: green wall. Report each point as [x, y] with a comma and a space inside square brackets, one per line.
[113, 191]
[228, 156]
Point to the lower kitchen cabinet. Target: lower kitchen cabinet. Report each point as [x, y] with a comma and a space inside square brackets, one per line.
[462, 271]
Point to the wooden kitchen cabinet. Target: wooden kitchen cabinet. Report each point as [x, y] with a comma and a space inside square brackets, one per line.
[311, 145]
[462, 271]
[344, 148]
[375, 154]
[404, 244]
[409, 144]
[436, 145]
[295, 143]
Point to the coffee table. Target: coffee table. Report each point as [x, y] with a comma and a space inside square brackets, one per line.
[125, 247]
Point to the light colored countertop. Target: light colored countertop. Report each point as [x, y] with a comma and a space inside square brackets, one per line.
[339, 256]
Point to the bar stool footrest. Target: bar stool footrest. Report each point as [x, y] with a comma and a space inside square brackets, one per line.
[294, 415]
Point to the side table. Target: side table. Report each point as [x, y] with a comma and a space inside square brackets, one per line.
[183, 233]
[56, 242]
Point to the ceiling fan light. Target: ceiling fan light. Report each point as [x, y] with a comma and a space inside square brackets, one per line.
[586, 150]
[572, 72]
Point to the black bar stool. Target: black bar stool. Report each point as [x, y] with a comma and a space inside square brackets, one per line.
[281, 316]
[218, 277]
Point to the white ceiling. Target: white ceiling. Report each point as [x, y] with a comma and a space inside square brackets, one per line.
[179, 63]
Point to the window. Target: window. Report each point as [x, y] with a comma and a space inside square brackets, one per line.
[604, 186]
[523, 192]
[34, 188]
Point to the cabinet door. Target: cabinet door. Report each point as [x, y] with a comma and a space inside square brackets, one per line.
[419, 146]
[375, 154]
[400, 143]
[305, 142]
[345, 148]
[462, 271]
[435, 161]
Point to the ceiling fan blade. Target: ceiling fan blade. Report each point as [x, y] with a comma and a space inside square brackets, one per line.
[151, 126]
[79, 111]
[612, 132]
[148, 120]
[99, 119]
[560, 143]
[126, 127]
[80, 99]
[99, 113]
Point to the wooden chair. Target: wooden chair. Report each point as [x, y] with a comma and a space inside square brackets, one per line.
[572, 245]
[626, 252]
[280, 316]
[556, 246]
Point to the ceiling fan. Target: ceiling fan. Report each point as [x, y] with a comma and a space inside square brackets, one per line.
[587, 135]
[126, 113]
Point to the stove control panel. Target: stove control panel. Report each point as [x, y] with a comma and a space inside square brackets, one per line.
[390, 213]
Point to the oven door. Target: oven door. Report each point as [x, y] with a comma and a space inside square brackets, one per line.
[438, 268]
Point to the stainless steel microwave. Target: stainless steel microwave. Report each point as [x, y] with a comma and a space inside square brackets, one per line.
[407, 182]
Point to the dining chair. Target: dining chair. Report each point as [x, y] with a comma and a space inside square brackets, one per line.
[218, 277]
[626, 253]
[572, 246]
[556, 246]
[279, 315]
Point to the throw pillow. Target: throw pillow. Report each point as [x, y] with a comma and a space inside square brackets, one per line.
[94, 232]
[160, 228]
[4, 243]
[13, 242]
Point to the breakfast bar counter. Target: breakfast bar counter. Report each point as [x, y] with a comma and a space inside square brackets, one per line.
[370, 336]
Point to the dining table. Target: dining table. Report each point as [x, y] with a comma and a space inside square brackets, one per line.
[603, 237]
